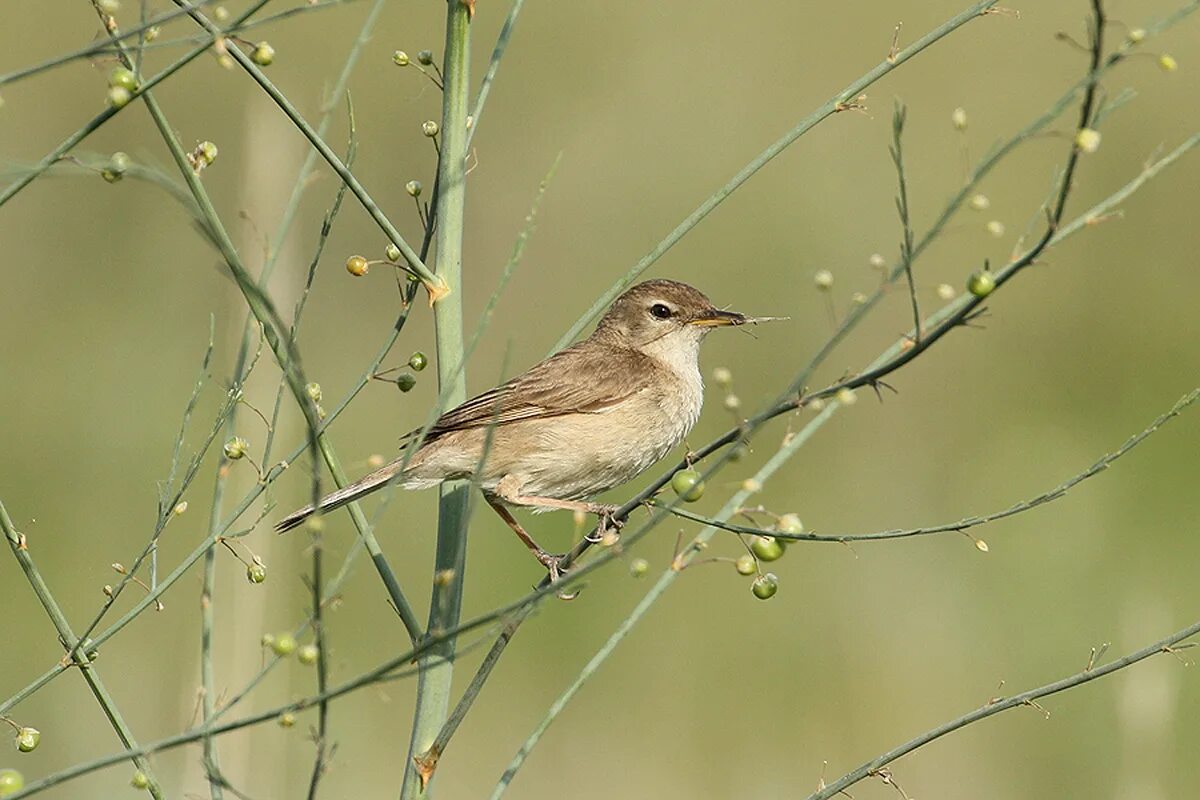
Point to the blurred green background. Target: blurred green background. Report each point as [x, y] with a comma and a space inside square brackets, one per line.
[105, 311]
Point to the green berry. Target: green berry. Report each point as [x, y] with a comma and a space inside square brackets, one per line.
[765, 586]
[284, 644]
[746, 565]
[767, 548]
[687, 484]
[27, 739]
[263, 54]
[790, 523]
[400, 58]
[639, 567]
[391, 252]
[425, 57]
[405, 381]
[118, 96]
[139, 780]
[287, 719]
[235, 448]
[357, 266]
[418, 361]
[124, 78]
[256, 572]
[414, 187]
[981, 283]
[207, 152]
[11, 782]
[430, 128]
[117, 166]
[308, 654]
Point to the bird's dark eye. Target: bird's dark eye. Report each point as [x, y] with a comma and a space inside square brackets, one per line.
[660, 311]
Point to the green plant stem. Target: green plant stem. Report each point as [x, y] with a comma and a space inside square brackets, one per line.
[435, 284]
[842, 101]
[20, 550]
[445, 609]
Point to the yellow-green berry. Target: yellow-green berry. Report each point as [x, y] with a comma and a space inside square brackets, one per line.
[125, 78]
[946, 292]
[639, 567]
[313, 390]
[287, 719]
[980, 202]
[687, 484]
[284, 644]
[400, 58]
[877, 261]
[430, 128]
[722, 377]
[414, 187]
[767, 548]
[263, 54]
[307, 654]
[256, 572]
[117, 166]
[418, 361]
[425, 57]
[235, 448]
[995, 227]
[981, 283]
[959, 118]
[765, 586]
[357, 266]
[139, 780]
[391, 252]
[1087, 140]
[11, 782]
[732, 402]
[118, 96]
[27, 739]
[746, 565]
[824, 280]
[846, 396]
[1167, 63]
[790, 524]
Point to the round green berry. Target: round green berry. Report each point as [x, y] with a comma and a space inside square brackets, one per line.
[287, 719]
[27, 739]
[405, 381]
[765, 586]
[981, 283]
[284, 644]
[414, 187]
[430, 128]
[263, 54]
[639, 567]
[418, 361]
[118, 96]
[124, 78]
[400, 58]
[687, 484]
[235, 448]
[425, 57]
[307, 654]
[391, 252]
[11, 782]
[256, 573]
[746, 565]
[767, 548]
[790, 523]
[139, 780]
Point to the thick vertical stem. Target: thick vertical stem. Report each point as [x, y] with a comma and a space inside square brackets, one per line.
[433, 686]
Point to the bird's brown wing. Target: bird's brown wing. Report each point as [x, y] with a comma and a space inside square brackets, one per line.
[581, 379]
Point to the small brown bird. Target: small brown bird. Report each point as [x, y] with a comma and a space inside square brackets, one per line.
[587, 419]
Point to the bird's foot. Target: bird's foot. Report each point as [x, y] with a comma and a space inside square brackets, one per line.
[608, 528]
[557, 569]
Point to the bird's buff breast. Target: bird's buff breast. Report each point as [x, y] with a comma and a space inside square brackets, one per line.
[577, 456]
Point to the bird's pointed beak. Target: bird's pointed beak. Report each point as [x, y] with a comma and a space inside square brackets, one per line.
[716, 318]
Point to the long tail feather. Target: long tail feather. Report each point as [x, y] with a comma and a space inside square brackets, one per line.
[347, 494]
